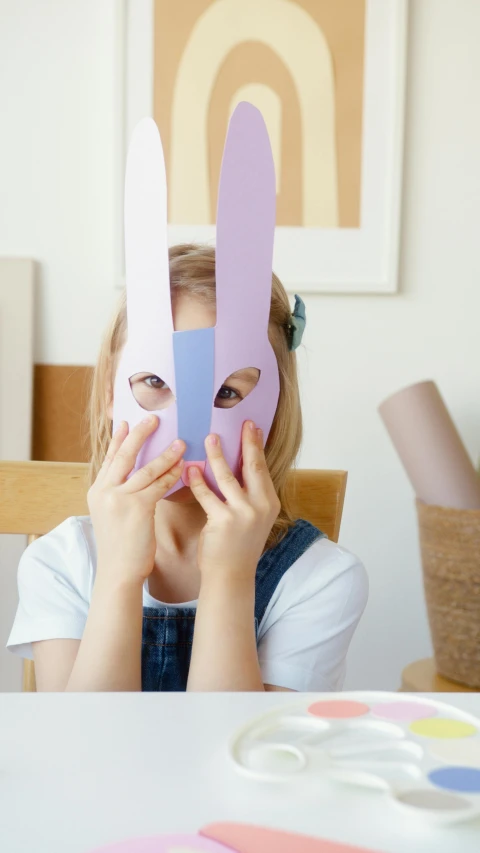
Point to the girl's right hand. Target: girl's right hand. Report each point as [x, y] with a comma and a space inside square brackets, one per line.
[123, 511]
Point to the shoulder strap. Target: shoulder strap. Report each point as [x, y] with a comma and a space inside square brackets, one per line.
[277, 560]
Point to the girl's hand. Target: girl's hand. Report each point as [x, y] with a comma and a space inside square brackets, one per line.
[122, 510]
[234, 536]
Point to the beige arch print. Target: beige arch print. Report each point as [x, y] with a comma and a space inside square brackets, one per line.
[309, 62]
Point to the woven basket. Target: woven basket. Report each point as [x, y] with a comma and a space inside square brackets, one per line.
[450, 548]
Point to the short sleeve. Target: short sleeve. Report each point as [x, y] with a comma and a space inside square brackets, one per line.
[308, 625]
[54, 584]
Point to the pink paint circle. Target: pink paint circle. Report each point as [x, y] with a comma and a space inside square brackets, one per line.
[338, 709]
[403, 711]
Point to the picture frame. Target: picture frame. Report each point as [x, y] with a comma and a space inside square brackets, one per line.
[342, 260]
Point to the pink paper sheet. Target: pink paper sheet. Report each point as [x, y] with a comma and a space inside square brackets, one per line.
[430, 447]
[256, 839]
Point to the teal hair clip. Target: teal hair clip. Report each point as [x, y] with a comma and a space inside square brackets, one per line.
[298, 320]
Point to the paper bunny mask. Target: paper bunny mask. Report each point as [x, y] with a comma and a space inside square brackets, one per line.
[195, 364]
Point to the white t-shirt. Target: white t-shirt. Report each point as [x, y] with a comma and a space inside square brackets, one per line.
[303, 637]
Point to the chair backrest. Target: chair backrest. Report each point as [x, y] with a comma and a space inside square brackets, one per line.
[36, 496]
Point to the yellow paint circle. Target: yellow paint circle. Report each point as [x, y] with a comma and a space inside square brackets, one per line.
[437, 727]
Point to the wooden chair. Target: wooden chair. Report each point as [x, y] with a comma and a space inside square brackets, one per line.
[36, 496]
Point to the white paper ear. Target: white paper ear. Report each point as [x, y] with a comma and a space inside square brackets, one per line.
[149, 309]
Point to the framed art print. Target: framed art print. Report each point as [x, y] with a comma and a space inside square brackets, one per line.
[328, 76]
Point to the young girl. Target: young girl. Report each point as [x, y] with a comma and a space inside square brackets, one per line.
[189, 592]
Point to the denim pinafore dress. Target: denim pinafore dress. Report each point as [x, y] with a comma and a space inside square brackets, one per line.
[167, 632]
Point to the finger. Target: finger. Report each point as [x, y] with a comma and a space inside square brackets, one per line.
[147, 475]
[255, 473]
[125, 457]
[226, 480]
[116, 441]
[159, 488]
[205, 497]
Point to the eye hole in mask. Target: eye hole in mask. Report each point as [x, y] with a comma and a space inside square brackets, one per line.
[151, 392]
[236, 387]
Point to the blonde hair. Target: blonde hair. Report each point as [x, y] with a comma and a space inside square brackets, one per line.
[192, 271]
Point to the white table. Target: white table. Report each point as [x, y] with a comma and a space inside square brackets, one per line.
[81, 770]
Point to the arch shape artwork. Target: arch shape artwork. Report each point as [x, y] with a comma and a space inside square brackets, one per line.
[210, 42]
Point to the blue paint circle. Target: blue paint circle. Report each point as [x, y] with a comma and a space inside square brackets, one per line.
[466, 779]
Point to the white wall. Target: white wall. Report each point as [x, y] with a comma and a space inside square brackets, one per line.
[17, 281]
[57, 177]
[362, 349]
[57, 169]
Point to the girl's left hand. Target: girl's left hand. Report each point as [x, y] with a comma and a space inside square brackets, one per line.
[234, 536]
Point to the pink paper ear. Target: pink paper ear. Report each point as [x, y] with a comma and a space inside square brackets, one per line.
[256, 839]
[245, 224]
[149, 308]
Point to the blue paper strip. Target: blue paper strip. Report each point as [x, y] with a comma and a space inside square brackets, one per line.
[194, 371]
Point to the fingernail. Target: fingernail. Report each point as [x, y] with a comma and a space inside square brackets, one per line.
[179, 465]
[192, 473]
[148, 420]
[175, 445]
[260, 434]
[251, 426]
[212, 439]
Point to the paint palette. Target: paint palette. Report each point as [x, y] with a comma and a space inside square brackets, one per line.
[424, 754]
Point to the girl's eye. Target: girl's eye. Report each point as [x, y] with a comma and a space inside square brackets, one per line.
[227, 398]
[227, 393]
[244, 380]
[154, 382]
[151, 392]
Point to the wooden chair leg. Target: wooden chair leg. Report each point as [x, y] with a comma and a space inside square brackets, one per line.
[29, 684]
